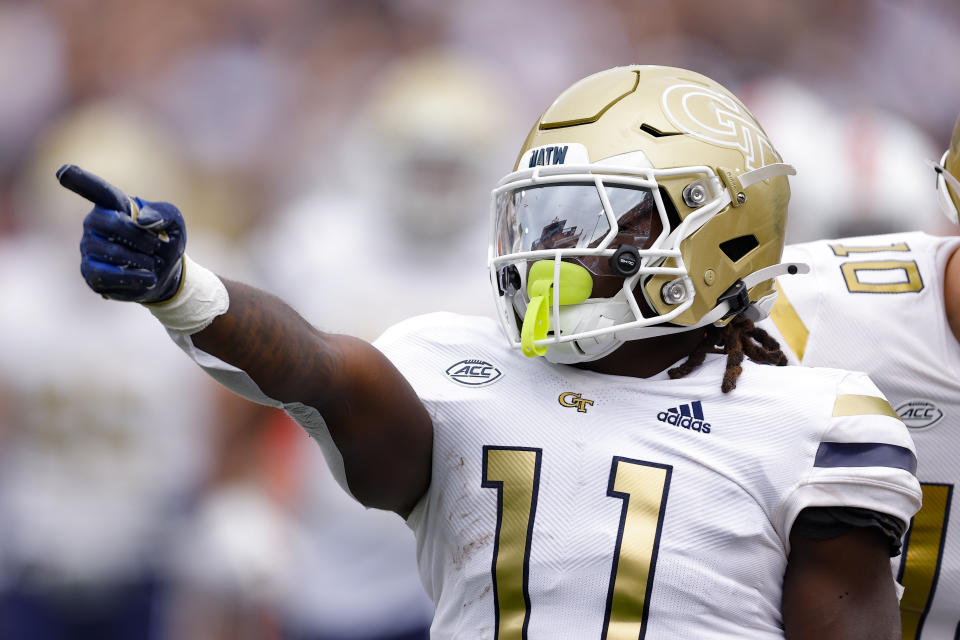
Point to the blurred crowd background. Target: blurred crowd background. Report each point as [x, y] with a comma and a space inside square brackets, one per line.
[339, 153]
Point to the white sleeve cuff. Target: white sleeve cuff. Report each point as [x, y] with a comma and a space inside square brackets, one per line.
[201, 298]
[891, 491]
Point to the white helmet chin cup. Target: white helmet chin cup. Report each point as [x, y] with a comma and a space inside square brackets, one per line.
[582, 350]
[576, 319]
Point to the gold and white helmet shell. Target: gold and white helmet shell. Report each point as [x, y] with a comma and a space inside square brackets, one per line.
[692, 148]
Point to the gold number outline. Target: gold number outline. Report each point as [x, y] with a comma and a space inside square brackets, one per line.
[844, 251]
[525, 573]
[849, 269]
[639, 569]
[913, 284]
[912, 622]
[624, 594]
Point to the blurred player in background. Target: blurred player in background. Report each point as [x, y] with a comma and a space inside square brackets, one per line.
[557, 503]
[166, 540]
[851, 176]
[889, 305]
[408, 200]
[99, 466]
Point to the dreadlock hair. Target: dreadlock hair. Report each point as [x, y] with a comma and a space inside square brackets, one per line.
[740, 336]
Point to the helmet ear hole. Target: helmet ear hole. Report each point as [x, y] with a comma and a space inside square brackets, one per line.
[737, 248]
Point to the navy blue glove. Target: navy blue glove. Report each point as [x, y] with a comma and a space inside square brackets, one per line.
[137, 261]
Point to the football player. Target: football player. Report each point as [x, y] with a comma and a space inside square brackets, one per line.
[98, 471]
[890, 305]
[587, 474]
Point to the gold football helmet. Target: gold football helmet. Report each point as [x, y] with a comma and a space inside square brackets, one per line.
[948, 177]
[646, 200]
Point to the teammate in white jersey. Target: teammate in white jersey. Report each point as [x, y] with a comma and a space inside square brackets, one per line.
[599, 491]
[890, 305]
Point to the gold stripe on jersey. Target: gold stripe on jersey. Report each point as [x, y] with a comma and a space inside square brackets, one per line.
[844, 250]
[789, 324]
[922, 556]
[858, 405]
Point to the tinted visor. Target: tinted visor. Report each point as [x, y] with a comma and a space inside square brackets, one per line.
[571, 216]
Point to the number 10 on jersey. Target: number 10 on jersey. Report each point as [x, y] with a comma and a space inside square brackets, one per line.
[641, 486]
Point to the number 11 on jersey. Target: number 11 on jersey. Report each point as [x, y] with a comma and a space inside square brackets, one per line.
[642, 486]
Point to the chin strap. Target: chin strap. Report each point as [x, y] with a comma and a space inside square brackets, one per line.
[732, 303]
[766, 172]
[736, 300]
[737, 184]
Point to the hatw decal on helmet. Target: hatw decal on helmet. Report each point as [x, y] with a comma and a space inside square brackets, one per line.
[552, 154]
[549, 155]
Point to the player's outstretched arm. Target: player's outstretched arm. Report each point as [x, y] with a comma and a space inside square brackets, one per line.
[134, 251]
[378, 423]
[840, 588]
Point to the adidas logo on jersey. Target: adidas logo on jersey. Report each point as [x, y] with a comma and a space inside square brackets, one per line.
[688, 416]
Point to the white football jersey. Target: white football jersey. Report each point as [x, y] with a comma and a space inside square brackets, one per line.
[875, 304]
[570, 504]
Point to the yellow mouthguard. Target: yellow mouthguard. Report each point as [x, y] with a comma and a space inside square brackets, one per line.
[575, 286]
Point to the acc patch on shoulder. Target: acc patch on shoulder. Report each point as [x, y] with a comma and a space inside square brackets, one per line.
[919, 414]
[473, 373]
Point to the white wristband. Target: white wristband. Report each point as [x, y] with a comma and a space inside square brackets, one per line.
[201, 298]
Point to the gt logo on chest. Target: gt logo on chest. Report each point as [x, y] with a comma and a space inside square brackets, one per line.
[573, 399]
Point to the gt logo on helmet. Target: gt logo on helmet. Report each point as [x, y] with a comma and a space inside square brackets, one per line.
[718, 119]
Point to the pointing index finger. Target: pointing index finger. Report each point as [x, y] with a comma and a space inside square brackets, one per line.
[93, 188]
